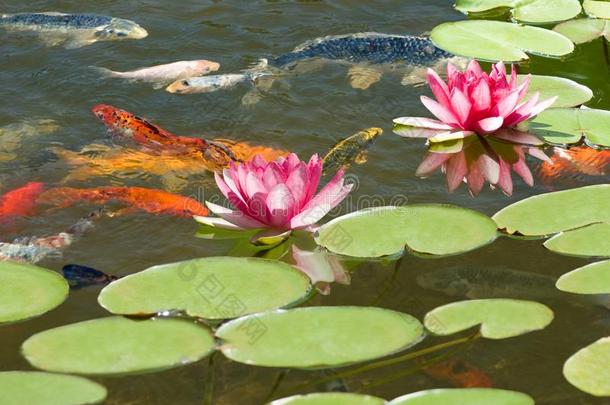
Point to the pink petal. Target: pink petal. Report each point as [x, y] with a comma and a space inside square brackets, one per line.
[489, 125]
[310, 216]
[430, 163]
[439, 87]
[257, 208]
[474, 68]
[237, 218]
[441, 112]
[475, 179]
[280, 204]
[456, 169]
[216, 222]
[481, 95]
[520, 167]
[254, 185]
[505, 181]
[314, 173]
[507, 104]
[421, 123]
[542, 106]
[489, 167]
[461, 106]
[272, 176]
[539, 154]
[298, 185]
[450, 136]
[514, 136]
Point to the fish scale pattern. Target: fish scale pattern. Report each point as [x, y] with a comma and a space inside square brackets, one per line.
[56, 20]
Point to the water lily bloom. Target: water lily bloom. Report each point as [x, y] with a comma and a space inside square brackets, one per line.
[278, 195]
[474, 102]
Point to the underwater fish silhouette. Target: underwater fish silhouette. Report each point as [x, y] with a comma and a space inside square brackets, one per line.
[72, 30]
[33, 249]
[82, 276]
[350, 150]
[459, 373]
[152, 201]
[567, 164]
[14, 136]
[20, 202]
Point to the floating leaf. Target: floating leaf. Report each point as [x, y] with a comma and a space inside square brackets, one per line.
[318, 336]
[593, 278]
[425, 228]
[211, 288]
[597, 9]
[527, 11]
[550, 213]
[588, 368]
[37, 388]
[570, 125]
[584, 29]
[466, 396]
[568, 92]
[330, 398]
[499, 318]
[117, 345]
[27, 291]
[589, 241]
[499, 41]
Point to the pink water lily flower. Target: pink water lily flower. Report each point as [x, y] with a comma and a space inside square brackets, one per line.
[279, 195]
[474, 102]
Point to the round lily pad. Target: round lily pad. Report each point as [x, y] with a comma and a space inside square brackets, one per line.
[593, 278]
[589, 241]
[330, 398]
[568, 92]
[27, 291]
[597, 9]
[570, 125]
[433, 229]
[37, 388]
[499, 41]
[499, 318]
[117, 345]
[527, 11]
[211, 288]
[550, 213]
[588, 368]
[584, 29]
[318, 337]
[466, 396]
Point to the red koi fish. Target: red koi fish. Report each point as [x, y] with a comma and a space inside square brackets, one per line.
[458, 373]
[567, 163]
[20, 202]
[124, 123]
[152, 201]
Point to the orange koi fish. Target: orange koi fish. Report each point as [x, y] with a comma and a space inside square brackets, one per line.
[20, 202]
[152, 201]
[571, 162]
[458, 373]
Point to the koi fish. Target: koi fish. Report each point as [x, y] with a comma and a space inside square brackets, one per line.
[458, 373]
[567, 163]
[34, 249]
[13, 135]
[350, 150]
[209, 84]
[82, 276]
[167, 73]
[152, 201]
[20, 202]
[72, 30]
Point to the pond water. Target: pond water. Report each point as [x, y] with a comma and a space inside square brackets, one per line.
[305, 113]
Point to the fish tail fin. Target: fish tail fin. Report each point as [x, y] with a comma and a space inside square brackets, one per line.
[106, 72]
[82, 276]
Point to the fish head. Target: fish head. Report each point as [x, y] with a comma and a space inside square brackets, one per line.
[207, 66]
[179, 87]
[120, 28]
[108, 114]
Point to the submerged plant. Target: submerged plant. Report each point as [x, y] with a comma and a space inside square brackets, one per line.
[279, 195]
[474, 102]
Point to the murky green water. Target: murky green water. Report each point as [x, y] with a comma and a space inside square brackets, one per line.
[305, 113]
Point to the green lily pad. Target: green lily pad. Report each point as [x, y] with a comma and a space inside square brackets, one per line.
[211, 288]
[27, 291]
[499, 318]
[527, 11]
[570, 125]
[597, 9]
[593, 278]
[318, 337]
[433, 229]
[117, 346]
[466, 396]
[499, 41]
[330, 398]
[584, 29]
[568, 92]
[589, 241]
[550, 213]
[37, 388]
[588, 368]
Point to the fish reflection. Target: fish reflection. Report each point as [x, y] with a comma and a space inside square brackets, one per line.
[567, 164]
[321, 267]
[476, 160]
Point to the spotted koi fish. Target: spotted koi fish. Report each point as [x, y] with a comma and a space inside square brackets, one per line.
[152, 201]
[569, 163]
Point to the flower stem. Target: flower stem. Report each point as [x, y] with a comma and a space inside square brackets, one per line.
[208, 396]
